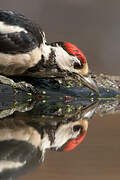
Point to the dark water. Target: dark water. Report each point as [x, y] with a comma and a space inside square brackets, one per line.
[94, 26]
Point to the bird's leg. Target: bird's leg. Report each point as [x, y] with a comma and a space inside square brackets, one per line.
[19, 85]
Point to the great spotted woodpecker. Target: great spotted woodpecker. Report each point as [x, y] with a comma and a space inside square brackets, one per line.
[23, 145]
[25, 51]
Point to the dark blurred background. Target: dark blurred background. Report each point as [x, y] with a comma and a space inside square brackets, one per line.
[93, 25]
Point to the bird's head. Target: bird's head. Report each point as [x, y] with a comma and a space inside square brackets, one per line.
[71, 59]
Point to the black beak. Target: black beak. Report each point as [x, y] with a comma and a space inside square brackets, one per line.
[90, 83]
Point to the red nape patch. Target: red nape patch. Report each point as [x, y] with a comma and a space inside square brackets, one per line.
[73, 50]
[75, 142]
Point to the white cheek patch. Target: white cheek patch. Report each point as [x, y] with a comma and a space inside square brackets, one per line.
[64, 133]
[5, 28]
[64, 60]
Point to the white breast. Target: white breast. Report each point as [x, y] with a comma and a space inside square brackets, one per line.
[19, 63]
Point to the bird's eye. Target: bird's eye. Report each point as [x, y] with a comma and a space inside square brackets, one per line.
[77, 65]
[77, 128]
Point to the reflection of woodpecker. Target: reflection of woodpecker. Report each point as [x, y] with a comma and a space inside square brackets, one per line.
[73, 143]
[24, 50]
[18, 151]
[22, 145]
[62, 135]
[65, 137]
[22, 148]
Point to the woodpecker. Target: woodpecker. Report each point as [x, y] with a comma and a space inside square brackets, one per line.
[23, 147]
[65, 137]
[25, 51]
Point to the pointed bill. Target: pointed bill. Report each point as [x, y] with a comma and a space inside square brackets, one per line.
[89, 111]
[90, 83]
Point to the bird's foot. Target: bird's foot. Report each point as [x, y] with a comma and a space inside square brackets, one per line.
[26, 87]
[20, 85]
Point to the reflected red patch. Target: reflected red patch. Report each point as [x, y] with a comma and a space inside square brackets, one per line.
[75, 142]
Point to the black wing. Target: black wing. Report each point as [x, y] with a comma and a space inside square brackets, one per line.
[19, 42]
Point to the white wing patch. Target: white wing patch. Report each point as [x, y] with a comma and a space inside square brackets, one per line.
[5, 28]
[9, 165]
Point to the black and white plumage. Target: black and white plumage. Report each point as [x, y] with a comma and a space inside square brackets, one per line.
[23, 147]
[24, 51]
[18, 34]
[20, 40]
